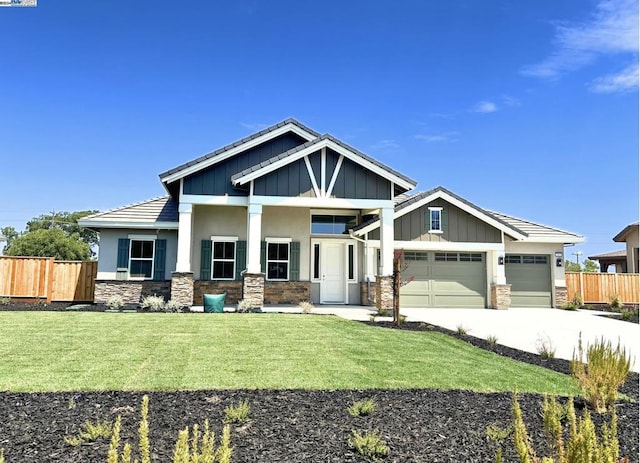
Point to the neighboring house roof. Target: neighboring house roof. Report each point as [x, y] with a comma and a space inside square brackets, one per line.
[621, 254]
[161, 212]
[518, 228]
[622, 236]
[226, 151]
[342, 148]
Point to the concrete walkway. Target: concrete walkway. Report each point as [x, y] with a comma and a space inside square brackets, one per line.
[522, 329]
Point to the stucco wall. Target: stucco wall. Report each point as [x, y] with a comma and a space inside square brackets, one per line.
[108, 248]
[290, 222]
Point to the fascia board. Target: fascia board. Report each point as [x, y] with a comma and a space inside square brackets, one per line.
[326, 143]
[237, 149]
[455, 202]
[126, 224]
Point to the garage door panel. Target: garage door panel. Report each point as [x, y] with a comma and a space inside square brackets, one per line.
[444, 284]
[530, 283]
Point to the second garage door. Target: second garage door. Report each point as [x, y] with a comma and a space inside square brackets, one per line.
[530, 279]
[444, 279]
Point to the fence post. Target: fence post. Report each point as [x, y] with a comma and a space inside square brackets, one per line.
[581, 279]
[50, 263]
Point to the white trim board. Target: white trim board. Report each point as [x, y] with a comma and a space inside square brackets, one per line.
[125, 224]
[290, 127]
[324, 143]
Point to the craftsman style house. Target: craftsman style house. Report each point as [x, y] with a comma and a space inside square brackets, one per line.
[287, 215]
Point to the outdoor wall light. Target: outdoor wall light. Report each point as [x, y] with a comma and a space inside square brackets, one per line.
[500, 260]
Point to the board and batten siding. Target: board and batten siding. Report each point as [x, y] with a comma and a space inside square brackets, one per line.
[108, 246]
[290, 180]
[459, 226]
[216, 180]
[357, 182]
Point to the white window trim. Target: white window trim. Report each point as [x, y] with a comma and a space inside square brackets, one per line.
[133, 238]
[435, 230]
[286, 241]
[224, 239]
[347, 243]
[337, 212]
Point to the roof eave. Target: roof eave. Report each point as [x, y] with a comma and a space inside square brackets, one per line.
[98, 224]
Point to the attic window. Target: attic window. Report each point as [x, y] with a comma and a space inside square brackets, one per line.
[434, 219]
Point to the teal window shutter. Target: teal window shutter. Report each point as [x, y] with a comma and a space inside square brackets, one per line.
[159, 259]
[205, 260]
[123, 253]
[241, 258]
[294, 261]
[263, 256]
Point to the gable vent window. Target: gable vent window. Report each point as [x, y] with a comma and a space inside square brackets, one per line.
[434, 220]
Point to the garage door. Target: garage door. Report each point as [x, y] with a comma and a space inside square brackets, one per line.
[530, 280]
[444, 279]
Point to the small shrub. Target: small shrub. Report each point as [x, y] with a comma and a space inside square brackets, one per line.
[5, 301]
[153, 303]
[372, 318]
[1, 455]
[115, 302]
[615, 302]
[143, 432]
[403, 319]
[545, 347]
[575, 303]
[369, 445]
[90, 432]
[305, 306]
[196, 446]
[112, 454]
[383, 312]
[244, 306]
[461, 330]
[362, 407]
[583, 444]
[492, 339]
[497, 435]
[237, 413]
[172, 306]
[603, 373]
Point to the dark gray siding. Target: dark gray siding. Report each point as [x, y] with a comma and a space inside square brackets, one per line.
[356, 182]
[290, 180]
[215, 180]
[461, 227]
[332, 161]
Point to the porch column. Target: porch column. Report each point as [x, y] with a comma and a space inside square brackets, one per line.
[500, 290]
[384, 281]
[185, 222]
[253, 279]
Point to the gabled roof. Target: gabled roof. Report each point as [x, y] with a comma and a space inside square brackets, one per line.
[325, 140]
[228, 151]
[519, 229]
[622, 236]
[161, 212]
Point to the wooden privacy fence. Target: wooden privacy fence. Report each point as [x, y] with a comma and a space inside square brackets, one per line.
[46, 278]
[599, 287]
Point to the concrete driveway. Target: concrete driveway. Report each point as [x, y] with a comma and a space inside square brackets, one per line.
[524, 329]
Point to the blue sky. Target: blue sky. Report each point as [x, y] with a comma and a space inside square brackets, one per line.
[526, 108]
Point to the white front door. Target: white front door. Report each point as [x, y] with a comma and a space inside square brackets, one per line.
[332, 263]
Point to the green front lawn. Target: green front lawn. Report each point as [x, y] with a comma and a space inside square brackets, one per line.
[54, 351]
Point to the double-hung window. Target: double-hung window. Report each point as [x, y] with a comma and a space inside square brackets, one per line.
[434, 219]
[223, 254]
[141, 258]
[278, 260]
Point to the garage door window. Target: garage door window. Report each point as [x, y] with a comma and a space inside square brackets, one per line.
[416, 255]
[526, 259]
[458, 257]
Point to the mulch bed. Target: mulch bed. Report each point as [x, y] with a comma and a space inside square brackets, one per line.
[296, 426]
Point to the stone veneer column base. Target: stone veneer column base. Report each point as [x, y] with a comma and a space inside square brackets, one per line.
[182, 288]
[561, 296]
[384, 292]
[368, 293]
[253, 289]
[500, 296]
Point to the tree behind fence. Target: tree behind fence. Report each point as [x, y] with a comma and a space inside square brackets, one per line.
[47, 279]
